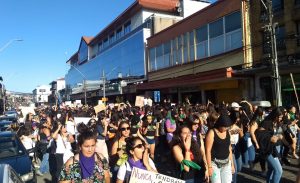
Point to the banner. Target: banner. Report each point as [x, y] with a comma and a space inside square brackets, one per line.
[139, 101]
[139, 175]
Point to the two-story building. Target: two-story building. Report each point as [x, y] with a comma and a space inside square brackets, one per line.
[117, 55]
[196, 57]
[58, 91]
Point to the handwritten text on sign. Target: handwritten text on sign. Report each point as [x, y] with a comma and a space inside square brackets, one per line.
[139, 175]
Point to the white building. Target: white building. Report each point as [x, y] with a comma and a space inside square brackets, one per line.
[41, 93]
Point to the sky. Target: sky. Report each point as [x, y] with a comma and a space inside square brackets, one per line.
[51, 31]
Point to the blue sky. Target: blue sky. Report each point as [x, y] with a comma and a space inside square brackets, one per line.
[51, 30]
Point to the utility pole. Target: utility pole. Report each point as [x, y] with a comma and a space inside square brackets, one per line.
[270, 31]
[104, 82]
[84, 87]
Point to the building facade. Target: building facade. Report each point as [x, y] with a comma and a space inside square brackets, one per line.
[195, 57]
[58, 92]
[116, 57]
[286, 19]
[40, 94]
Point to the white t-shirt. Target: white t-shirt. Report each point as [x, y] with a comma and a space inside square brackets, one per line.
[62, 145]
[126, 167]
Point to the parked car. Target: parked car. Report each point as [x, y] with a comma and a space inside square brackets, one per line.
[8, 118]
[13, 152]
[5, 125]
[7, 174]
[12, 113]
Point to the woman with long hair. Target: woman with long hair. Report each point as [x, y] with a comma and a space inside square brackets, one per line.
[218, 151]
[267, 140]
[87, 165]
[138, 157]
[187, 154]
[118, 152]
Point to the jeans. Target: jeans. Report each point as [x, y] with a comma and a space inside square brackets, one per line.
[221, 175]
[44, 167]
[298, 140]
[237, 160]
[249, 153]
[274, 170]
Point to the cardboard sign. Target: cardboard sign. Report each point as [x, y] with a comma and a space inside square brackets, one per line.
[139, 175]
[77, 102]
[99, 108]
[68, 103]
[139, 101]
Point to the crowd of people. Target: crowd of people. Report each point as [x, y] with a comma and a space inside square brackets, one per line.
[203, 143]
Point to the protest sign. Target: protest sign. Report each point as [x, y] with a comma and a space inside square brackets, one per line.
[139, 101]
[139, 175]
[99, 108]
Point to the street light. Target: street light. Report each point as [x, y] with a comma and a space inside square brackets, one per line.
[104, 81]
[84, 79]
[8, 43]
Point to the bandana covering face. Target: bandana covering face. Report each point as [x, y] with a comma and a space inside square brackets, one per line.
[87, 165]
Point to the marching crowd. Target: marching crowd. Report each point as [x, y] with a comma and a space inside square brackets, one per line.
[203, 143]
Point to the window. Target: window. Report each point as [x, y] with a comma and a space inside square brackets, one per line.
[100, 47]
[202, 42]
[112, 38]
[174, 52]
[119, 33]
[280, 37]
[179, 49]
[233, 22]
[216, 35]
[127, 28]
[277, 5]
[233, 37]
[192, 46]
[185, 48]
[167, 54]
[83, 52]
[152, 64]
[159, 57]
[105, 43]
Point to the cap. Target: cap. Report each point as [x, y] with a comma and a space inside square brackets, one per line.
[235, 105]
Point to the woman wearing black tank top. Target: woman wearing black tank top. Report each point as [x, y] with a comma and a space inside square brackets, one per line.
[218, 151]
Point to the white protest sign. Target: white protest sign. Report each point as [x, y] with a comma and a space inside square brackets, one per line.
[68, 103]
[77, 102]
[139, 101]
[25, 111]
[139, 175]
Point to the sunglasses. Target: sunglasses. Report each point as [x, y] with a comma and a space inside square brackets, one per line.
[139, 146]
[123, 129]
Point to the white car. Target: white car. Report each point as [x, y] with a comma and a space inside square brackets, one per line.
[7, 174]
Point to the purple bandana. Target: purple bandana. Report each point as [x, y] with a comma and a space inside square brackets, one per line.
[87, 165]
[138, 164]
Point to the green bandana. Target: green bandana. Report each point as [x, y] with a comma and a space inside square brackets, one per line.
[190, 164]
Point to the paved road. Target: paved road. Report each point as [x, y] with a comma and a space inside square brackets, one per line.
[246, 176]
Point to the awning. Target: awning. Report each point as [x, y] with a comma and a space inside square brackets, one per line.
[188, 80]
